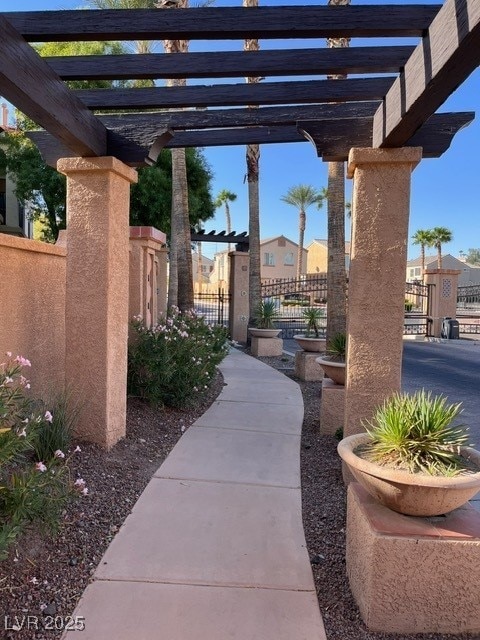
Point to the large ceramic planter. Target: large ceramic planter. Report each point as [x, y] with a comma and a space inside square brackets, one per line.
[333, 370]
[316, 345]
[264, 333]
[412, 494]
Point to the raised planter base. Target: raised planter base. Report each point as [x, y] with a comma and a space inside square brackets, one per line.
[413, 575]
[332, 407]
[266, 346]
[306, 368]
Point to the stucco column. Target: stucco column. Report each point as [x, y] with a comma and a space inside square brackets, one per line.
[98, 200]
[376, 289]
[148, 274]
[443, 302]
[238, 287]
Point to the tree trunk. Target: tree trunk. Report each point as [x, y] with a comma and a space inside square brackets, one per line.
[199, 268]
[336, 276]
[180, 291]
[422, 256]
[229, 223]
[301, 233]
[255, 289]
[439, 257]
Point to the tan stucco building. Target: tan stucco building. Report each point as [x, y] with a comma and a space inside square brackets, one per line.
[469, 274]
[317, 260]
[278, 258]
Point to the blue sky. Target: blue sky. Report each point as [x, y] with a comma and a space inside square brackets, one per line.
[444, 190]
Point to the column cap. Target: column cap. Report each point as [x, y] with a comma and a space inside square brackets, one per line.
[105, 164]
[368, 155]
[148, 233]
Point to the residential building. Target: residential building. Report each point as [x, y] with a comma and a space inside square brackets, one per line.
[317, 261]
[201, 272]
[469, 274]
[278, 258]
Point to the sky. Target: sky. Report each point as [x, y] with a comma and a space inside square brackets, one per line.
[444, 190]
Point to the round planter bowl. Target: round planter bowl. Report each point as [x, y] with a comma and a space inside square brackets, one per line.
[412, 494]
[333, 370]
[264, 333]
[316, 345]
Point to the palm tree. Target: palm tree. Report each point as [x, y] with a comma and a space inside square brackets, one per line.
[336, 275]
[223, 199]
[440, 235]
[302, 196]
[424, 238]
[180, 286]
[253, 160]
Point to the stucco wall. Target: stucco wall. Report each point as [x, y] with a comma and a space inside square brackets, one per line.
[32, 308]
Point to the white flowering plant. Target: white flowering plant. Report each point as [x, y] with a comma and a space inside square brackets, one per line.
[31, 490]
[173, 363]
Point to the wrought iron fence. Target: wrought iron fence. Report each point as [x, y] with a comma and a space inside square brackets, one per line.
[213, 306]
[469, 324]
[468, 297]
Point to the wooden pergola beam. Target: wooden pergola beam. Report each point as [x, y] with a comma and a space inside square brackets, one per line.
[230, 64]
[332, 138]
[230, 95]
[147, 125]
[225, 23]
[33, 87]
[445, 57]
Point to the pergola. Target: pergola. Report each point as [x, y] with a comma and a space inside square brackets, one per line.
[382, 119]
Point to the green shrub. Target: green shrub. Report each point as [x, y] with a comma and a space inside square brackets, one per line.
[29, 492]
[414, 432]
[58, 434]
[408, 305]
[174, 363]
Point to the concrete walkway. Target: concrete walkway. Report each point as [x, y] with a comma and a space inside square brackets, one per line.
[214, 547]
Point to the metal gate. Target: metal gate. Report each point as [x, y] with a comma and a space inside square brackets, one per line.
[418, 320]
[213, 306]
[468, 309]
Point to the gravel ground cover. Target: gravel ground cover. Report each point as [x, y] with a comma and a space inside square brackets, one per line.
[54, 572]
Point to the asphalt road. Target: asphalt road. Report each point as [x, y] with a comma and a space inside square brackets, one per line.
[452, 368]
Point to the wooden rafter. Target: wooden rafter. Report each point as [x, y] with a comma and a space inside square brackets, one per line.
[230, 95]
[225, 23]
[226, 64]
[148, 124]
[33, 87]
[445, 57]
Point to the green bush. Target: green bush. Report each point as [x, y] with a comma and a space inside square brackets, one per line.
[29, 491]
[173, 363]
[58, 435]
[408, 305]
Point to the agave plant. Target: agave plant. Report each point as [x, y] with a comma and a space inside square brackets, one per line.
[265, 314]
[414, 432]
[337, 347]
[312, 315]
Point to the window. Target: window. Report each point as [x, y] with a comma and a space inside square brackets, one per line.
[269, 260]
[288, 260]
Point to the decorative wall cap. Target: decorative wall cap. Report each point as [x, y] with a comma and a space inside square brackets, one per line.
[148, 233]
[443, 272]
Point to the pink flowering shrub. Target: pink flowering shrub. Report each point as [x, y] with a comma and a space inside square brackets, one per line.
[174, 363]
[31, 489]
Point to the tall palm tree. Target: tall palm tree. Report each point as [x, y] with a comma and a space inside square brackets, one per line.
[424, 238]
[180, 287]
[253, 168]
[440, 235]
[302, 196]
[222, 200]
[336, 274]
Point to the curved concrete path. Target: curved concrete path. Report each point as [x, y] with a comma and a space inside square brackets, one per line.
[214, 549]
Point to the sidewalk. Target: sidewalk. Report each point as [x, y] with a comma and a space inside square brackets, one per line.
[214, 547]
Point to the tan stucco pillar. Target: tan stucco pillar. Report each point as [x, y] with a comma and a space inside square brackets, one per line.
[148, 274]
[443, 296]
[376, 289]
[238, 287]
[98, 197]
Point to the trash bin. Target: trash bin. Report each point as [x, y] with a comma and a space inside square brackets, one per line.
[450, 329]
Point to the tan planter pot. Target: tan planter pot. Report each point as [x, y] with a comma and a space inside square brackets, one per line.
[333, 370]
[264, 333]
[412, 494]
[316, 345]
